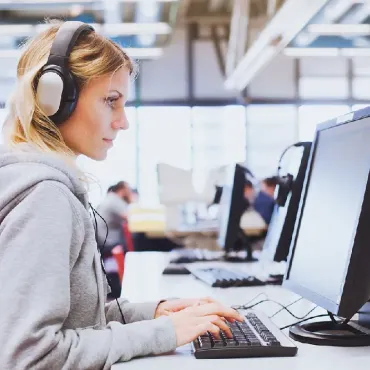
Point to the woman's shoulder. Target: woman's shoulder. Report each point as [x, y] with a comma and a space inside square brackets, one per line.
[58, 195]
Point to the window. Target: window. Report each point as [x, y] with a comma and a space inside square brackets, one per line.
[219, 138]
[311, 115]
[361, 87]
[164, 137]
[270, 129]
[323, 87]
[120, 163]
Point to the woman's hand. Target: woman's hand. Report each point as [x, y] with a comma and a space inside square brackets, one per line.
[196, 320]
[167, 307]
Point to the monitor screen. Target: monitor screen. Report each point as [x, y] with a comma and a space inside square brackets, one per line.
[331, 208]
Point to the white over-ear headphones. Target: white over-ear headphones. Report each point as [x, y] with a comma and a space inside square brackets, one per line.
[57, 91]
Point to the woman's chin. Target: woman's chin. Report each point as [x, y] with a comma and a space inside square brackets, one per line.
[98, 156]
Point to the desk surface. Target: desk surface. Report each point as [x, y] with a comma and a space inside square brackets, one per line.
[138, 287]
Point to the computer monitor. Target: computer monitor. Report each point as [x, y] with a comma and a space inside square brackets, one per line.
[175, 185]
[293, 163]
[329, 262]
[218, 194]
[232, 205]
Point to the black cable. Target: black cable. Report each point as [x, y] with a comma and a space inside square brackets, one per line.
[101, 250]
[306, 319]
[283, 307]
[106, 226]
[235, 307]
[332, 318]
[245, 307]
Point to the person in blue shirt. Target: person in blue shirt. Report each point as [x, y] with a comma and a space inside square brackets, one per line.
[264, 202]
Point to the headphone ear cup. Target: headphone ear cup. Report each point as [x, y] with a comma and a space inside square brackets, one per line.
[57, 93]
[69, 99]
[49, 92]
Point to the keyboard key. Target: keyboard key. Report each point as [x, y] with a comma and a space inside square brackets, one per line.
[219, 344]
[204, 344]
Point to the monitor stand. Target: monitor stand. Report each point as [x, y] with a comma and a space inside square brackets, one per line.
[332, 333]
[242, 245]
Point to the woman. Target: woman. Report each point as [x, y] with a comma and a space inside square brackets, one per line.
[69, 100]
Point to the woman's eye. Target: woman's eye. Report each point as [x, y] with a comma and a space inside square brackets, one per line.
[111, 101]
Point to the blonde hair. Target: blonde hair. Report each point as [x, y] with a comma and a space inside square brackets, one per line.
[92, 56]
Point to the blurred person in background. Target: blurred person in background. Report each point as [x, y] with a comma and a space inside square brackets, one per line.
[264, 203]
[249, 192]
[113, 209]
[112, 214]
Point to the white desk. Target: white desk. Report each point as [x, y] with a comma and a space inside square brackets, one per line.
[144, 281]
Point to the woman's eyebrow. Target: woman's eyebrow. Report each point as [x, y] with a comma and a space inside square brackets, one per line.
[118, 92]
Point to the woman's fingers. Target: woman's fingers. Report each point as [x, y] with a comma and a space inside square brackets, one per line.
[216, 320]
[219, 310]
[224, 327]
[208, 327]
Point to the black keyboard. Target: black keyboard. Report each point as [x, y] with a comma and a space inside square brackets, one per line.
[257, 336]
[193, 255]
[223, 278]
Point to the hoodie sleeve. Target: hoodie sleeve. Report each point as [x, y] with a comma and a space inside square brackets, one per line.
[35, 296]
[132, 312]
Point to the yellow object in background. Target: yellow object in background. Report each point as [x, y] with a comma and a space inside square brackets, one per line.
[146, 219]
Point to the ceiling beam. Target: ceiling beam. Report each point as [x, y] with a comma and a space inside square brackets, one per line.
[238, 34]
[278, 33]
[332, 13]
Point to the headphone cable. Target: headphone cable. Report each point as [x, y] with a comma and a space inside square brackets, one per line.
[101, 250]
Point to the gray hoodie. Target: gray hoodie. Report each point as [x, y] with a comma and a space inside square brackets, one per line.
[53, 313]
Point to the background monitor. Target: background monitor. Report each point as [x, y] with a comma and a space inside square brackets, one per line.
[330, 253]
[232, 206]
[175, 185]
[279, 235]
[218, 194]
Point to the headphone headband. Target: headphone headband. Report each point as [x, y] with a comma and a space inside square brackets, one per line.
[64, 41]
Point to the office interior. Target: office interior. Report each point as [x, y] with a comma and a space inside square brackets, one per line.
[224, 86]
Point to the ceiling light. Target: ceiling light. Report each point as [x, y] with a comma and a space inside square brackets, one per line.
[136, 53]
[108, 29]
[339, 29]
[326, 52]
[158, 28]
[311, 52]
[19, 2]
[356, 52]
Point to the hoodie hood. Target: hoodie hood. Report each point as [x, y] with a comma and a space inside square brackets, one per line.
[25, 166]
